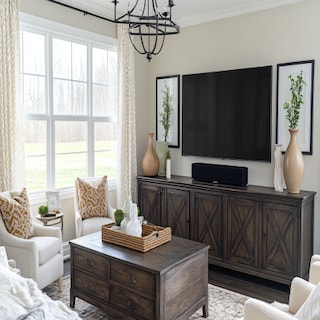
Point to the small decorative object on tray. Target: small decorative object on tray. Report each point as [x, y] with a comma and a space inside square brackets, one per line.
[152, 237]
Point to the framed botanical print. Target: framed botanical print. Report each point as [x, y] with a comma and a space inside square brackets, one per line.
[168, 91]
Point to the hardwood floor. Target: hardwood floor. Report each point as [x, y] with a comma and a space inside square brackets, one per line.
[254, 287]
[250, 286]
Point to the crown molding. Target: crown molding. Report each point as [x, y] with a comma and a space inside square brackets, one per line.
[187, 15]
[232, 10]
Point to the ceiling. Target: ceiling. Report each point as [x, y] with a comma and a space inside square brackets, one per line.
[187, 12]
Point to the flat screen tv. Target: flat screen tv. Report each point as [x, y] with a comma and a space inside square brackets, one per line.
[227, 114]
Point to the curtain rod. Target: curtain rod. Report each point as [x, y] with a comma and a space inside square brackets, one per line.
[81, 10]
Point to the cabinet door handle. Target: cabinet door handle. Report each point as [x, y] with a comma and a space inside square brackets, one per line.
[132, 305]
[132, 279]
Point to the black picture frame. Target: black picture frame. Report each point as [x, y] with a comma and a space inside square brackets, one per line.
[173, 83]
[305, 126]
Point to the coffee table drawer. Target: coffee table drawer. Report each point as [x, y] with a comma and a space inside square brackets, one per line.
[90, 262]
[132, 303]
[134, 278]
[91, 285]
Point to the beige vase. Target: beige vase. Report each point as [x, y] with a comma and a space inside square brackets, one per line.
[150, 162]
[293, 164]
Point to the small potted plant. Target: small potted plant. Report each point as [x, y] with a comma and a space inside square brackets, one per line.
[118, 217]
[43, 210]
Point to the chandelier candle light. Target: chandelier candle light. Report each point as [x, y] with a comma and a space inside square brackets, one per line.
[146, 20]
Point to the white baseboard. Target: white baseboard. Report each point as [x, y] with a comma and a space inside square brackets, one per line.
[66, 250]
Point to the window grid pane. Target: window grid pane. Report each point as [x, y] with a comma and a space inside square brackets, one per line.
[70, 136]
[105, 150]
[36, 154]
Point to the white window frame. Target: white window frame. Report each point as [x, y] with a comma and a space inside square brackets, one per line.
[36, 24]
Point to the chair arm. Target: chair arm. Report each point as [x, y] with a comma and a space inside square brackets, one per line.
[78, 223]
[12, 241]
[46, 231]
[111, 212]
[299, 292]
[315, 258]
[314, 275]
[255, 309]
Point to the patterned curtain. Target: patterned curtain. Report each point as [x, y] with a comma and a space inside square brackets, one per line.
[12, 167]
[126, 119]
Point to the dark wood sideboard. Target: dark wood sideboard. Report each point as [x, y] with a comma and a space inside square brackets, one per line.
[254, 230]
[167, 282]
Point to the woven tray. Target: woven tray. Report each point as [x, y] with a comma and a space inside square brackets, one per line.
[152, 237]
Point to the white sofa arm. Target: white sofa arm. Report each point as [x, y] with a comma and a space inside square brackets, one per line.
[299, 292]
[255, 309]
[314, 275]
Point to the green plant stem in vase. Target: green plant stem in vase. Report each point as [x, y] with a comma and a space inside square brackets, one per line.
[294, 106]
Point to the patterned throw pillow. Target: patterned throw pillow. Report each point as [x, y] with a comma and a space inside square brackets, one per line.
[16, 215]
[91, 197]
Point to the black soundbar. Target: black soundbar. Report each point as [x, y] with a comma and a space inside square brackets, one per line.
[220, 174]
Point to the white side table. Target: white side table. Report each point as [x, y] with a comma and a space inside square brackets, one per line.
[51, 220]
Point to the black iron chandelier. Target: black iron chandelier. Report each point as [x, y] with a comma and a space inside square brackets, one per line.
[146, 20]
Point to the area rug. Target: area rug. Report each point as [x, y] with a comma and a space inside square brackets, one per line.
[223, 304]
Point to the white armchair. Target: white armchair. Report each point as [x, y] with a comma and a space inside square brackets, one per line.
[303, 300]
[93, 224]
[39, 257]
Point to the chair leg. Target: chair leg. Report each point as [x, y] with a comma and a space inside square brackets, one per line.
[60, 284]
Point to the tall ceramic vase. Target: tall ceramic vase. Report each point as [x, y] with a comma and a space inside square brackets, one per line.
[161, 150]
[150, 162]
[293, 164]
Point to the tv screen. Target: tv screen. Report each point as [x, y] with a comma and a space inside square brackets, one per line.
[227, 114]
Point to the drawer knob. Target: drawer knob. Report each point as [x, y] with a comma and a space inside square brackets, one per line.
[132, 279]
[132, 305]
[90, 263]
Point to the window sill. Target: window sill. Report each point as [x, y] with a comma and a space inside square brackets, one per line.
[65, 193]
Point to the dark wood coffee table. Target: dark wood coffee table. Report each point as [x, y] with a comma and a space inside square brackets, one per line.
[168, 282]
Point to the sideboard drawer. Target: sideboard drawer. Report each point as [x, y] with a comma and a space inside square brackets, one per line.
[90, 262]
[91, 285]
[132, 303]
[134, 278]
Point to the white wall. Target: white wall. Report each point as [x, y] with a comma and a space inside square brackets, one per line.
[284, 34]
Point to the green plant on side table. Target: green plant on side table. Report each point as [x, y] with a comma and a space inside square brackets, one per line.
[118, 216]
[43, 210]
